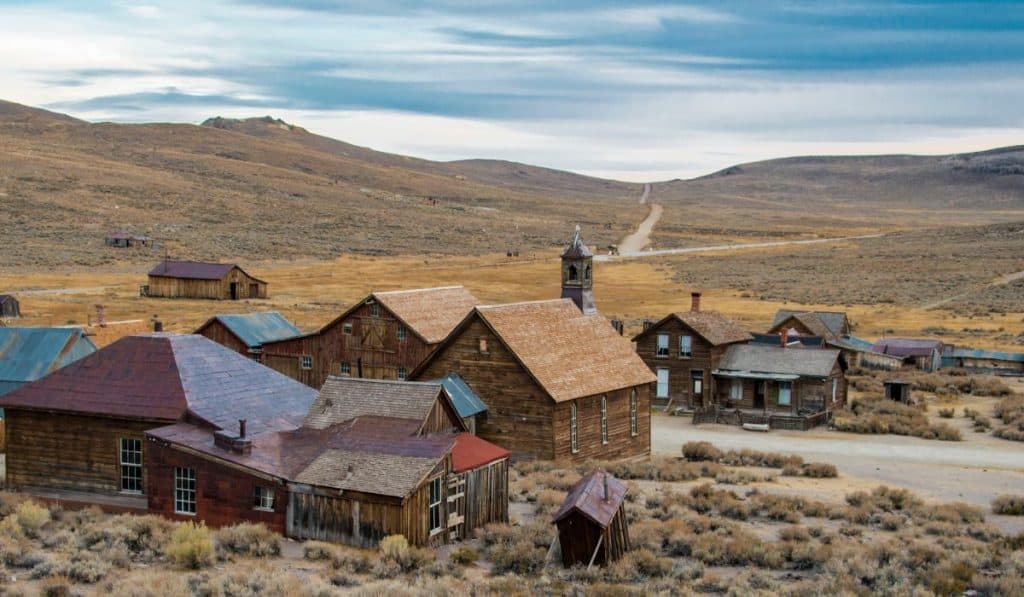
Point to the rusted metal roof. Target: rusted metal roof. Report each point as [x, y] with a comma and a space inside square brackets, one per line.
[28, 354]
[597, 496]
[193, 270]
[256, 329]
[166, 376]
[907, 347]
[472, 452]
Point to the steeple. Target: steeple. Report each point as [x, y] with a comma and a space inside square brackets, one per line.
[578, 274]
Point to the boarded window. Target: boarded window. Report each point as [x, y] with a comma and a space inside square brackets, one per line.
[634, 415]
[263, 498]
[574, 443]
[184, 490]
[307, 362]
[685, 346]
[662, 391]
[483, 345]
[736, 390]
[131, 465]
[662, 345]
[785, 393]
[435, 505]
[604, 420]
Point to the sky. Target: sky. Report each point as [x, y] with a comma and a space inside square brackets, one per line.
[637, 91]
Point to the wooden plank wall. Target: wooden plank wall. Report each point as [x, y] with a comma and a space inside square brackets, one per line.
[353, 520]
[486, 495]
[680, 386]
[160, 286]
[621, 442]
[220, 334]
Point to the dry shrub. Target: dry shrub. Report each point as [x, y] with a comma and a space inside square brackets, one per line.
[517, 549]
[248, 539]
[55, 587]
[947, 413]
[84, 567]
[699, 451]
[254, 582]
[819, 470]
[748, 457]
[31, 517]
[778, 507]
[9, 501]
[397, 553]
[794, 533]
[1010, 505]
[143, 537]
[318, 551]
[550, 499]
[465, 556]
[558, 479]
[878, 416]
[191, 546]
[739, 477]
[1011, 412]
[658, 468]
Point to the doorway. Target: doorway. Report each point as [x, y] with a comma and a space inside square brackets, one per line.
[233, 287]
[759, 392]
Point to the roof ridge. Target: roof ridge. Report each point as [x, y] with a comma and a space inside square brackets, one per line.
[411, 290]
[385, 381]
[521, 303]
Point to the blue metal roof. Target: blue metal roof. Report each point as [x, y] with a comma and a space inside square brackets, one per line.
[858, 343]
[27, 354]
[256, 329]
[970, 353]
[466, 402]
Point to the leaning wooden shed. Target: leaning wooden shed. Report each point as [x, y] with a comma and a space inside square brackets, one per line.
[592, 527]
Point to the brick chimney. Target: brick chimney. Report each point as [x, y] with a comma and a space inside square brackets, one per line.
[158, 326]
[647, 324]
[694, 301]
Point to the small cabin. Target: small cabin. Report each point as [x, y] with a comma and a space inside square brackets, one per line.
[898, 390]
[10, 308]
[592, 527]
[127, 240]
[202, 280]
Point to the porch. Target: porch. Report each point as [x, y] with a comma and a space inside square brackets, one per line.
[801, 421]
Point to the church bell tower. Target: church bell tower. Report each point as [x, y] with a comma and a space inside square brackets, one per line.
[578, 274]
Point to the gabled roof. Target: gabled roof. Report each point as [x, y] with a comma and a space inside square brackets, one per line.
[755, 359]
[430, 313]
[27, 354]
[713, 326]
[466, 402]
[194, 270]
[907, 347]
[569, 354]
[345, 398]
[589, 499]
[7, 297]
[256, 329]
[471, 452]
[165, 376]
[833, 321]
[576, 248]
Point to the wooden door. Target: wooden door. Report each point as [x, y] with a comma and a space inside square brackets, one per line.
[759, 392]
[234, 291]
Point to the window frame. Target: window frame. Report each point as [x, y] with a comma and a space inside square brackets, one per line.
[604, 420]
[657, 385]
[347, 328]
[696, 377]
[787, 387]
[185, 490]
[306, 362]
[401, 374]
[345, 368]
[736, 390]
[660, 351]
[689, 345]
[402, 333]
[434, 507]
[574, 429]
[374, 309]
[263, 498]
[634, 413]
[134, 466]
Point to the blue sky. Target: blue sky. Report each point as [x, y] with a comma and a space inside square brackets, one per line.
[638, 91]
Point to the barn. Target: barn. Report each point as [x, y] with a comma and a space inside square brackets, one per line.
[383, 336]
[558, 384]
[27, 354]
[10, 308]
[202, 280]
[246, 333]
[78, 434]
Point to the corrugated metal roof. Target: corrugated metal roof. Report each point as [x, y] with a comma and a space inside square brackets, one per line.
[256, 329]
[466, 402]
[907, 347]
[472, 452]
[971, 353]
[761, 358]
[588, 498]
[858, 343]
[27, 354]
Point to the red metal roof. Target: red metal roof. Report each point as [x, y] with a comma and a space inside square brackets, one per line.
[471, 452]
[196, 270]
[588, 498]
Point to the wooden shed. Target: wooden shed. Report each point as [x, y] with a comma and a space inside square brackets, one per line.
[10, 308]
[202, 280]
[592, 526]
[898, 390]
[127, 240]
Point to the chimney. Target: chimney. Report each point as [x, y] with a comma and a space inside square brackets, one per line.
[647, 324]
[783, 337]
[158, 326]
[241, 428]
[606, 496]
[694, 301]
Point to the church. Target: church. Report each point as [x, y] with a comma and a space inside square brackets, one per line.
[559, 381]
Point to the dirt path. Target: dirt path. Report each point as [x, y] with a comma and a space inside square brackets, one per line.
[736, 247]
[1002, 281]
[647, 193]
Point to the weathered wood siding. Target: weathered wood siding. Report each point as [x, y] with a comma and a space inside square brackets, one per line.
[373, 349]
[621, 441]
[442, 419]
[219, 333]
[73, 452]
[705, 358]
[486, 491]
[352, 518]
[246, 287]
[807, 394]
[225, 495]
[520, 413]
[579, 538]
[10, 308]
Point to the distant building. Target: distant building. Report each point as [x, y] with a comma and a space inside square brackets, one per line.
[921, 354]
[383, 336]
[27, 354]
[827, 329]
[201, 280]
[126, 240]
[10, 308]
[826, 324]
[246, 333]
[985, 361]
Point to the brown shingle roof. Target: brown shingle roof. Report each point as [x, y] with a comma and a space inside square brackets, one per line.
[197, 270]
[835, 322]
[570, 354]
[432, 313]
[714, 327]
[382, 474]
[346, 398]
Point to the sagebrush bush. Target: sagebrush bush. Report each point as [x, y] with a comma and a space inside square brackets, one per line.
[396, 551]
[698, 451]
[31, 517]
[316, 551]
[878, 416]
[465, 556]
[947, 413]
[191, 546]
[1011, 505]
[248, 539]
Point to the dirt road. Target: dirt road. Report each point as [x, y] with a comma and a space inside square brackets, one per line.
[1002, 281]
[736, 247]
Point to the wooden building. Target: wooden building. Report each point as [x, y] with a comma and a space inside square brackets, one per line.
[830, 329]
[898, 390]
[78, 433]
[781, 387]
[558, 384]
[384, 336]
[471, 408]
[826, 324]
[916, 353]
[985, 361]
[10, 308]
[372, 458]
[682, 349]
[127, 240]
[592, 525]
[28, 354]
[200, 280]
[246, 333]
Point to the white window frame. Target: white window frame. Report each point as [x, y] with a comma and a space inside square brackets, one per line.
[688, 342]
[661, 346]
[345, 369]
[130, 457]
[402, 333]
[401, 374]
[785, 389]
[697, 377]
[661, 387]
[374, 310]
[604, 420]
[835, 389]
[306, 362]
[574, 430]
[634, 415]
[263, 498]
[434, 506]
[736, 390]
[185, 493]
[346, 328]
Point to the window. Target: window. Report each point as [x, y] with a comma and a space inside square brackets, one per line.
[402, 333]
[662, 391]
[346, 368]
[634, 418]
[574, 274]
[835, 388]
[483, 345]
[346, 328]
[131, 465]
[685, 347]
[697, 377]
[574, 444]
[586, 273]
[374, 310]
[263, 498]
[604, 420]
[662, 345]
[184, 490]
[307, 362]
[435, 505]
[736, 390]
[785, 393]
[401, 373]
